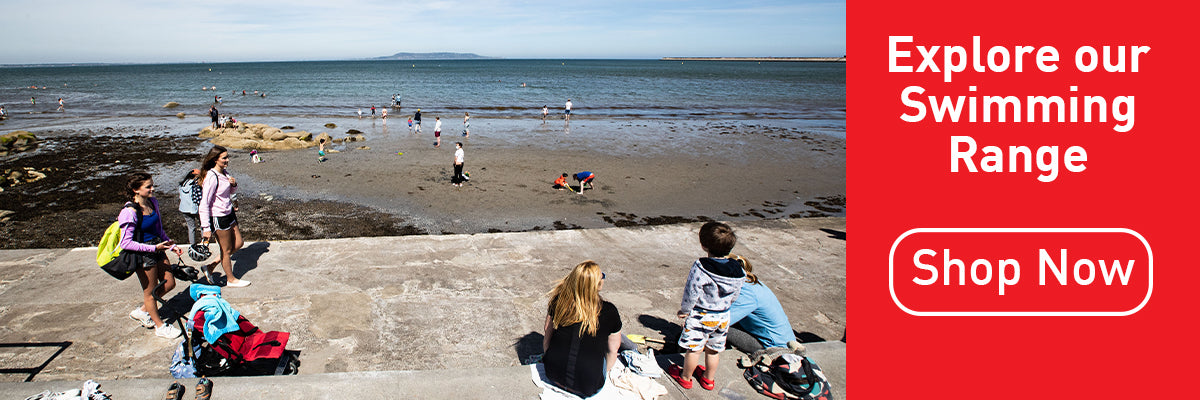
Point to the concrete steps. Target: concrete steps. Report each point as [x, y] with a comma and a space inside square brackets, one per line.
[480, 383]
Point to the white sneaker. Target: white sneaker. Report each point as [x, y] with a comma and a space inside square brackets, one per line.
[141, 316]
[167, 331]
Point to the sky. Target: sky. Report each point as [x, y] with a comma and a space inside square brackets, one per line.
[166, 31]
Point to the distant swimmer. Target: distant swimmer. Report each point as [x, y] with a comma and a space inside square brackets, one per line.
[522, 84]
[264, 94]
[243, 93]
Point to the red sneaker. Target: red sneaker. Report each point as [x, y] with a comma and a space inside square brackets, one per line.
[676, 373]
[704, 383]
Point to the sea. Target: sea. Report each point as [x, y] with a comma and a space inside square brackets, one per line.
[806, 95]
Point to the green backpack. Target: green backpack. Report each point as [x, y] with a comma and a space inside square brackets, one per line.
[109, 251]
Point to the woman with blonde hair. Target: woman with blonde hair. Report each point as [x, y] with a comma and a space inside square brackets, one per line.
[583, 332]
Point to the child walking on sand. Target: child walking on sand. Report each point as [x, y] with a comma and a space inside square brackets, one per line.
[712, 285]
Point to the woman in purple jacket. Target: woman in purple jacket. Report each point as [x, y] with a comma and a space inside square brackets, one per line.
[150, 249]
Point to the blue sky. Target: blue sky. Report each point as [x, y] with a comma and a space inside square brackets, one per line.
[135, 31]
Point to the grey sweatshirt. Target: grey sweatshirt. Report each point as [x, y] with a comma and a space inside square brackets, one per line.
[712, 285]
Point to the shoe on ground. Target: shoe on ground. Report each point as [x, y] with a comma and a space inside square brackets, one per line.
[207, 274]
[142, 317]
[676, 373]
[175, 392]
[704, 382]
[167, 331]
[796, 346]
[240, 283]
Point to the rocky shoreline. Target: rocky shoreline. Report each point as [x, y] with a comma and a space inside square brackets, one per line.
[363, 191]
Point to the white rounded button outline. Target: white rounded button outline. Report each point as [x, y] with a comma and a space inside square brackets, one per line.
[910, 232]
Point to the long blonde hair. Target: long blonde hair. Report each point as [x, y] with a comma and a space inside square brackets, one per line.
[750, 277]
[576, 298]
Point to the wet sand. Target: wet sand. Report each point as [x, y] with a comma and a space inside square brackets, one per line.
[648, 172]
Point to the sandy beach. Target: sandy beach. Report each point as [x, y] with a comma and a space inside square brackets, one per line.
[648, 172]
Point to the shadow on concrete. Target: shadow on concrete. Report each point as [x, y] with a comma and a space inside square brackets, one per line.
[246, 259]
[177, 306]
[528, 345]
[808, 337]
[62, 346]
[670, 332]
[835, 234]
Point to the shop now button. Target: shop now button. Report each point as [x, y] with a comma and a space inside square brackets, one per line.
[1021, 272]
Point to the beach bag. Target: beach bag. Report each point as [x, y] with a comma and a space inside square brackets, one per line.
[119, 264]
[196, 190]
[247, 351]
[789, 376]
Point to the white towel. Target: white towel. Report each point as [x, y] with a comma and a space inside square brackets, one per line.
[610, 391]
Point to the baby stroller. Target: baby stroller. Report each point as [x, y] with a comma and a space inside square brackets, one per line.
[219, 341]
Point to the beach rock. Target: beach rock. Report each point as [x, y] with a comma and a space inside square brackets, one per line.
[325, 136]
[5, 215]
[180, 115]
[170, 105]
[16, 142]
[16, 176]
[331, 125]
[364, 147]
[354, 132]
[246, 136]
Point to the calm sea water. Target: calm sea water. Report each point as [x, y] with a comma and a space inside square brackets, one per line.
[486, 88]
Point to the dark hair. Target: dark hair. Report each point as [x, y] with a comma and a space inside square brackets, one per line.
[135, 182]
[210, 161]
[717, 238]
[191, 174]
[458, 143]
[564, 174]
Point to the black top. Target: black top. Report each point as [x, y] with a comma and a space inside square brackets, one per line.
[417, 116]
[576, 363]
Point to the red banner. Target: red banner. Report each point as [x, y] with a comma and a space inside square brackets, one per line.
[1020, 208]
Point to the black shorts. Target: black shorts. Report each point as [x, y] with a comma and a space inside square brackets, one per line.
[224, 223]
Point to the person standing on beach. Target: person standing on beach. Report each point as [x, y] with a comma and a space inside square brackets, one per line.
[458, 178]
[218, 212]
[384, 115]
[466, 124]
[32, 100]
[417, 120]
[545, 112]
[568, 111]
[60, 105]
[3, 112]
[143, 236]
[437, 131]
[372, 111]
[360, 113]
[212, 113]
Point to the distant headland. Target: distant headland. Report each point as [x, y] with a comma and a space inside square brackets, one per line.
[809, 59]
[434, 56]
